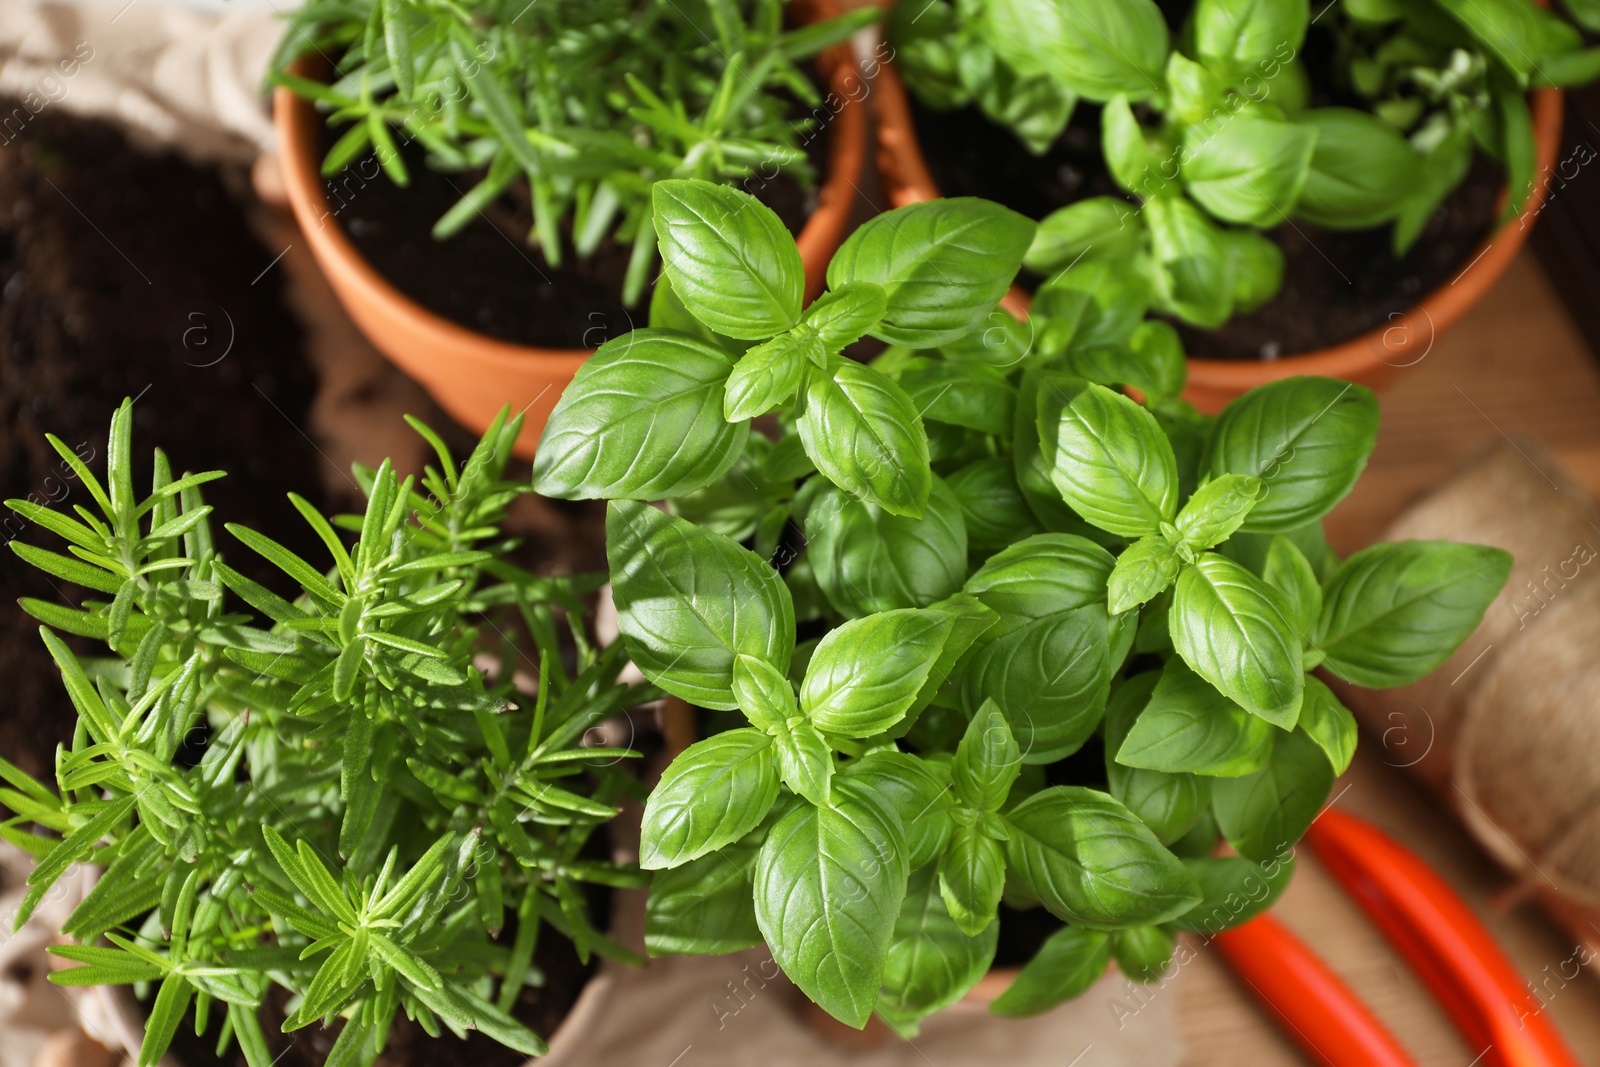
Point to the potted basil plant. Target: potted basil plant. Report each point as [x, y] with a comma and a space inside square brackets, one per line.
[328, 823]
[1304, 196]
[993, 653]
[476, 185]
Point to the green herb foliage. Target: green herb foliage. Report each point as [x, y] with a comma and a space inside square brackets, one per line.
[375, 801]
[589, 102]
[960, 564]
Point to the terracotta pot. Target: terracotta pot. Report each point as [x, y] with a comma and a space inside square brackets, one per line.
[1372, 359]
[115, 1018]
[472, 375]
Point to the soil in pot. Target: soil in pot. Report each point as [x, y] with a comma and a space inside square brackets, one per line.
[130, 274]
[1337, 284]
[487, 277]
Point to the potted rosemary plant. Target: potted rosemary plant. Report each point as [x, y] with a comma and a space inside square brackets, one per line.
[1002, 651]
[476, 185]
[1301, 199]
[334, 821]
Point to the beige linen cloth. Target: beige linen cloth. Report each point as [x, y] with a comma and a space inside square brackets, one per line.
[188, 76]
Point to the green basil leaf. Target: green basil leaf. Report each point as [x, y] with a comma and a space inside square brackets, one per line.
[829, 883]
[1094, 302]
[1005, 342]
[919, 792]
[942, 265]
[805, 762]
[866, 674]
[1157, 352]
[1036, 109]
[972, 876]
[865, 436]
[1307, 439]
[1265, 813]
[689, 602]
[1144, 570]
[1234, 631]
[962, 393]
[1249, 170]
[729, 257]
[868, 560]
[1234, 890]
[1195, 90]
[1169, 804]
[1096, 52]
[704, 907]
[1187, 726]
[1393, 612]
[1217, 509]
[1238, 34]
[932, 961]
[842, 316]
[1112, 463]
[1128, 155]
[1032, 460]
[768, 375]
[763, 693]
[642, 419]
[969, 621]
[1100, 226]
[1287, 570]
[1362, 170]
[1142, 953]
[993, 508]
[1091, 861]
[987, 761]
[1255, 263]
[1329, 723]
[714, 793]
[1066, 965]
[1042, 576]
[1191, 254]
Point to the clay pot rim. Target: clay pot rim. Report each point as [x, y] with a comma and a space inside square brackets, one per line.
[905, 174]
[297, 122]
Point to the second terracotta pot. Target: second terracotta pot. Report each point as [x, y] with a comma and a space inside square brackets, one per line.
[472, 375]
[1372, 359]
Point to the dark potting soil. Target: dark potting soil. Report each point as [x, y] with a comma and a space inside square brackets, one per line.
[488, 277]
[1337, 284]
[127, 274]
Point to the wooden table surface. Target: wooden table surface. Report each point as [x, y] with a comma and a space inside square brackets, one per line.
[1515, 365]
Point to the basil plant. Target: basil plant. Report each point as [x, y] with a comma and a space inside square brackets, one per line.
[1210, 133]
[979, 633]
[336, 801]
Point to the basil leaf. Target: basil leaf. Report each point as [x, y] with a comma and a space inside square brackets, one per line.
[868, 560]
[865, 436]
[1032, 464]
[867, 673]
[1287, 570]
[842, 316]
[962, 393]
[1191, 254]
[642, 419]
[1067, 964]
[805, 762]
[1102, 226]
[1112, 463]
[714, 793]
[690, 601]
[1250, 170]
[703, 908]
[1095, 51]
[1362, 170]
[1041, 576]
[1329, 723]
[1142, 952]
[993, 508]
[932, 961]
[1265, 813]
[763, 692]
[1188, 726]
[1233, 891]
[919, 792]
[1217, 509]
[1132, 163]
[942, 265]
[1255, 264]
[1234, 631]
[1307, 439]
[1238, 34]
[729, 257]
[829, 882]
[972, 876]
[1157, 352]
[1169, 804]
[987, 761]
[1089, 860]
[1393, 612]
[1195, 89]
[1095, 302]
[767, 375]
[1143, 571]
